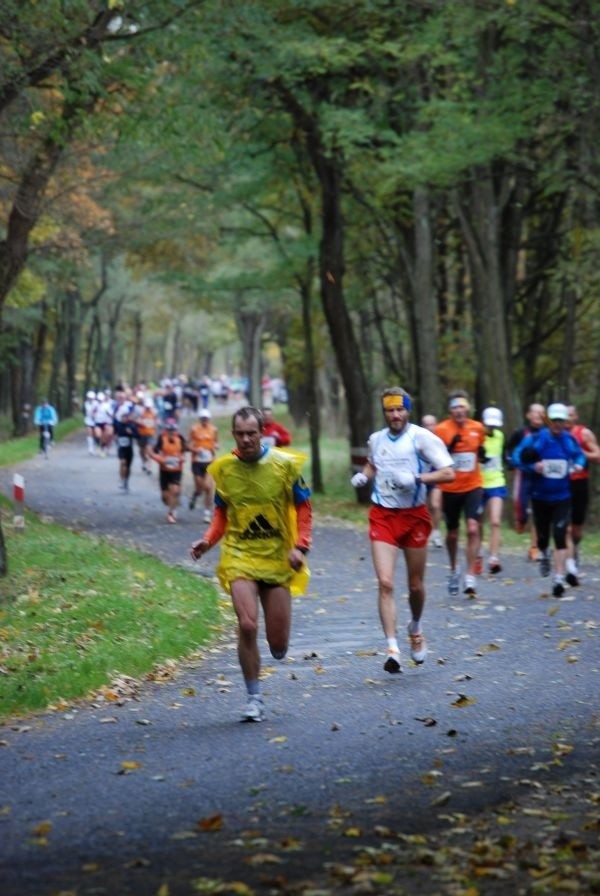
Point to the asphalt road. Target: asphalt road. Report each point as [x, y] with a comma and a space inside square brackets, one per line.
[506, 703]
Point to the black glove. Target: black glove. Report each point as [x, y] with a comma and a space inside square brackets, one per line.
[454, 442]
[530, 455]
[481, 454]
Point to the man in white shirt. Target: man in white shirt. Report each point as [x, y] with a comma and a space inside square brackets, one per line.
[402, 460]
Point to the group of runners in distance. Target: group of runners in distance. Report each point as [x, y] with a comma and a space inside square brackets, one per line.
[257, 504]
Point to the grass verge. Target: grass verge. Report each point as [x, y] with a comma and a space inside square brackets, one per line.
[76, 612]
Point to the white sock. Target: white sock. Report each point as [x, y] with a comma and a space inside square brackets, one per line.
[392, 644]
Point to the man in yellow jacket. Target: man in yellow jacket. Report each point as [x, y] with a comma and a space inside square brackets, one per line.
[263, 514]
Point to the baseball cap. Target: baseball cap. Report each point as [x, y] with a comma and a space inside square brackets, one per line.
[557, 411]
[493, 417]
[204, 412]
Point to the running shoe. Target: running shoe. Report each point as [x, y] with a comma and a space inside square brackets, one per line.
[545, 564]
[478, 565]
[255, 709]
[470, 585]
[418, 646]
[558, 589]
[572, 572]
[392, 664]
[436, 539]
[207, 516]
[494, 565]
[453, 583]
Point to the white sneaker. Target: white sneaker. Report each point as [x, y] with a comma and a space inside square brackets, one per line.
[418, 646]
[255, 709]
[207, 516]
[470, 585]
[436, 539]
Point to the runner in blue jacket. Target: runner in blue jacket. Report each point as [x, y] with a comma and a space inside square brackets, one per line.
[550, 455]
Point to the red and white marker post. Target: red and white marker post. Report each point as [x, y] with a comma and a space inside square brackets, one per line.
[19, 501]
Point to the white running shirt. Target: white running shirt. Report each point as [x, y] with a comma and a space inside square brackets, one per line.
[415, 449]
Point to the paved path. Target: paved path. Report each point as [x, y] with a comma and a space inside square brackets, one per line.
[505, 703]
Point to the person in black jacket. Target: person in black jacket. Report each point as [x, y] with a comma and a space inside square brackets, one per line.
[521, 486]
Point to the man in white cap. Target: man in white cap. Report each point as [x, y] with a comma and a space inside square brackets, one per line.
[203, 442]
[494, 481]
[550, 455]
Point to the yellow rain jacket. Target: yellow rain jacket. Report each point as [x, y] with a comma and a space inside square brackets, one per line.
[261, 518]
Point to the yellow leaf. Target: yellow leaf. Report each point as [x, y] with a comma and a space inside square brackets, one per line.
[163, 890]
[43, 828]
[353, 832]
[131, 765]
[278, 740]
[211, 823]
[188, 692]
[463, 700]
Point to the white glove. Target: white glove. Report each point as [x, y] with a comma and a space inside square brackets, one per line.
[404, 478]
[358, 480]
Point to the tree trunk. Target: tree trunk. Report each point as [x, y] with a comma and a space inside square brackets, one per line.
[425, 306]
[250, 327]
[479, 217]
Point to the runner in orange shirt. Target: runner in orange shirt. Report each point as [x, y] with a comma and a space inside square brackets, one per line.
[464, 439]
[203, 442]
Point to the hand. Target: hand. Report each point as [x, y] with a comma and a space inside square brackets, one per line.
[358, 480]
[296, 559]
[199, 548]
[404, 478]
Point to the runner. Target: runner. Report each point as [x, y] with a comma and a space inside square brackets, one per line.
[402, 460]
[434, 495]
[580, 491]
[464, 439]
[203, 443]
[263, 514]
[147, 425]
[169, 452]
[548, 456]
[89, 410]
[494, 482]
[522, 480]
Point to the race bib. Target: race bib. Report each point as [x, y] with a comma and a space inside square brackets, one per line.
[171, 463]
[464, 462]
[124, 441]
[271, 441]
[554, 468]
[204, 456]
[493, 464]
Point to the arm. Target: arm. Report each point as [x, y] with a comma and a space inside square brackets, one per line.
[366, 475]
[590, 447]
[304, 535]
[283, 436]
[213, 534]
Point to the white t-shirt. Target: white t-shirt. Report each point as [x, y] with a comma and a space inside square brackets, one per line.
[415, 449]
